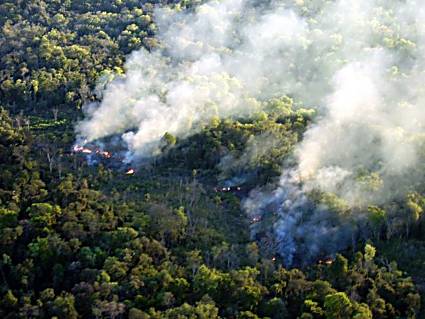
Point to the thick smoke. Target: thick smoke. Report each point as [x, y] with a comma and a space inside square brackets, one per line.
[218, 61]
[366, 146]
[359, 62]
[302, 230]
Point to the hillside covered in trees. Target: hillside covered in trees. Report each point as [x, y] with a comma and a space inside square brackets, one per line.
[87, 233]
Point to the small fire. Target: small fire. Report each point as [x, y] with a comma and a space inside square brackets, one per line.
[104, 154]
[78, 148]
[227, 189]
[81, 149]
[327, 261]
[130, 172]
[255, 219]
[85, 150]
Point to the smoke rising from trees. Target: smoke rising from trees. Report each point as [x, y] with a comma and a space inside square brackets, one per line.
[360, 63]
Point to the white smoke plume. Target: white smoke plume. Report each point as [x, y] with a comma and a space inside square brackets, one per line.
[215, 62]
[361, 63]
[366, 148]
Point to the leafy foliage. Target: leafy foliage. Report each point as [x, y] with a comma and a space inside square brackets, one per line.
[80, 241]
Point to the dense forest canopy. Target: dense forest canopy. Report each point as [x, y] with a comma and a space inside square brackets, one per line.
[211, 159]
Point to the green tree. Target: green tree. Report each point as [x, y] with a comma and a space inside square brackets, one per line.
[338, 306]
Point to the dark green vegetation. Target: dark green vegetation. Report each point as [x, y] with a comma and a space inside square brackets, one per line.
[90, 242]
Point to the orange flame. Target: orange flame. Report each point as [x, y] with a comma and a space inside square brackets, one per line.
[130, 172]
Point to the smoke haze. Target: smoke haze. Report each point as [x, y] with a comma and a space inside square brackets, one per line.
[360, 63]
